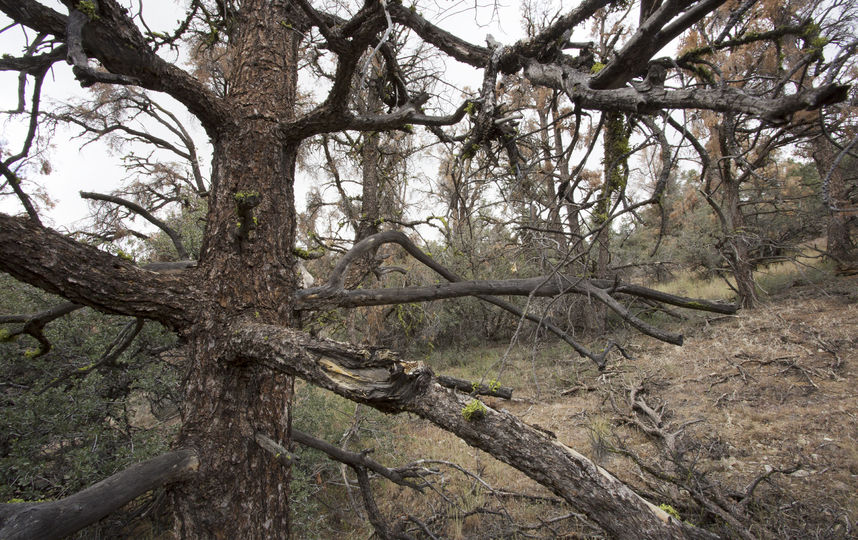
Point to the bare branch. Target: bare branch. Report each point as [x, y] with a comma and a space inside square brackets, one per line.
[145, 214]
[399, 475]
[123, 340]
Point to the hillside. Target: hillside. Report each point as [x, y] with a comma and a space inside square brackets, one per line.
[754, 419]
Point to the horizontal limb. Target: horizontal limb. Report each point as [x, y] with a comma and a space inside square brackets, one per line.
[335, 284]
[85, 275]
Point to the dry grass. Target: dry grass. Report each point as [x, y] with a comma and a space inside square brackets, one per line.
[774, 387]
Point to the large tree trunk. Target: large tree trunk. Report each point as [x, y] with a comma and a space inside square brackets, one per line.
[737, 247]
[242, 491]
[839, 245]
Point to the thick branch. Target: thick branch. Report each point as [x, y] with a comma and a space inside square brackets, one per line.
[58, 519]
[122, 50]
[652, 36]
[84, 275]
[377, 378]
[554, 36]
[725, 99]
[456, 47]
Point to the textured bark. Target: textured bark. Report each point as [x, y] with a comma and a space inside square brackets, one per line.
[87, 276]
[839, 232]
[58, 519]
[630, 100]
[737, 244]
[248, 268]
[239, 383]
[378, 378]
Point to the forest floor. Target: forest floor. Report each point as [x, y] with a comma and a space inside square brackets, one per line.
[754, 419]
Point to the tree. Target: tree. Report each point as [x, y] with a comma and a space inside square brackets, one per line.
[739, 151]
[236, 308]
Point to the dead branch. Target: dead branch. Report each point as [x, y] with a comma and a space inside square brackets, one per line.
[58, 519]
[399, 475]
[35, 323]
[113, 351]
[174, 236]
[280, 452]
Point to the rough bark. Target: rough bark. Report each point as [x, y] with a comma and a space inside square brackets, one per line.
[248, 268]
[58, 519]
[87, 276]
[839, 231]
[239, 383]
[630, 100]
[737, 244]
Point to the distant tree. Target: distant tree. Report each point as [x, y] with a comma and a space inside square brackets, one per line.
[236, 307]
[777, 51]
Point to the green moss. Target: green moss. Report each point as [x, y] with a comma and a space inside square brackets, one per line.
[494, 386]
[124, 256]
[471, 151]
[32, 353]
[597, 67]
[471, 108]
[243, 197]
[87, 7]
[213, 37]
[670, 510]
[474, 410]
[6, 336]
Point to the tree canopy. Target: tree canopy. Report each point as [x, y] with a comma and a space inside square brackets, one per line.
[353, 92]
